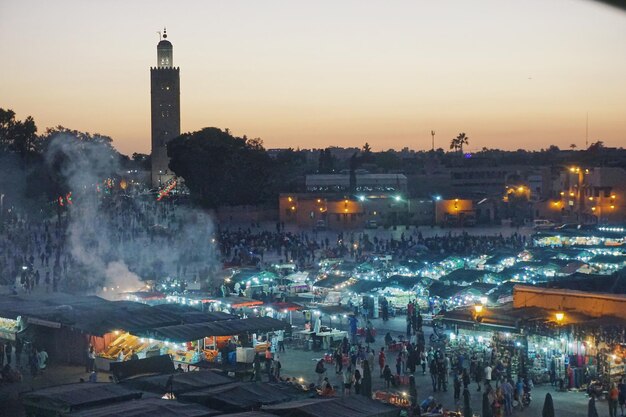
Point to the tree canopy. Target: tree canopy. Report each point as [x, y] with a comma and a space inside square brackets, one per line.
[220, 169]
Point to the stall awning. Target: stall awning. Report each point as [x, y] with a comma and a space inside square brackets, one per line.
[286, 306]
[240, 396]
[197, 331]
[180, 382]
[72, 397]
[149, 366]
[351, 406]
[148, 407]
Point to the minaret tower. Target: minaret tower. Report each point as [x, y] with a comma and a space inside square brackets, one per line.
[165, 105]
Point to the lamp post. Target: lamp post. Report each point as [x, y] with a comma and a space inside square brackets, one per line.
[436, 200]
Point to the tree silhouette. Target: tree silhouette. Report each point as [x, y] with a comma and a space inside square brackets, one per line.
[458, 142]
[572, 146]
[596, 146]
[221, 169]
[367, 148]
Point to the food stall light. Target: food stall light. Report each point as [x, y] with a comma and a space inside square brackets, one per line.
[116, 332]
[507, 335]
[478, 308]
[614, 357]
[301, 380]
[518, 344]
[545, 349]
[483, 300]
[559, 316]
[480, 339]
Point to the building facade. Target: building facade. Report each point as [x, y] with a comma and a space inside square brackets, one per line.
[586, 195]
[165, 110]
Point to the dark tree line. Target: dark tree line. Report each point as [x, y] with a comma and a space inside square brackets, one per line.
[31, 176]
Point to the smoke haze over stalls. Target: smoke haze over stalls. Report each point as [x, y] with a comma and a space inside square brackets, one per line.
[317, 74]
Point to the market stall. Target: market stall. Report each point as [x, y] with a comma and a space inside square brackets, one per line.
[8, 328]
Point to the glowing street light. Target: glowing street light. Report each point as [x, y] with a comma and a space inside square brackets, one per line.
[397, 198]
[559, 316]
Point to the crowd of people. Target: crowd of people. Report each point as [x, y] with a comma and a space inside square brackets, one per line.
[18, 357]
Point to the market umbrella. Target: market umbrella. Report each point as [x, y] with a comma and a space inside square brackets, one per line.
[548, 407]
[487, 411]
[467, 410]
[366, 385]
[591, 410]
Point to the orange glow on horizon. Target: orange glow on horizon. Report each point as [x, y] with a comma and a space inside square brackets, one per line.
[321, 77]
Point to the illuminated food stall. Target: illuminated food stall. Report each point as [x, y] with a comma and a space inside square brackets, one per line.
[192, 343]
[8, 328]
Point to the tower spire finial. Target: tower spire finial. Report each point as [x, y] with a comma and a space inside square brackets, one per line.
[164, 33]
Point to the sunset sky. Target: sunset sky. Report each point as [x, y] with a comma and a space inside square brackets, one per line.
[511, 74]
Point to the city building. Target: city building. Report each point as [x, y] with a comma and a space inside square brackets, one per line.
[365, 182]
[165, 109]
[586, 195]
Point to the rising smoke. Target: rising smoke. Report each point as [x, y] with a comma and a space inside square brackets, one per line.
[117, 240]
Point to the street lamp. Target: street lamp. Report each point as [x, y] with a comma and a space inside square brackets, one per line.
[560, 316]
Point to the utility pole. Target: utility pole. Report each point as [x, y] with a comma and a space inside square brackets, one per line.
[587, 132]
[432, 133]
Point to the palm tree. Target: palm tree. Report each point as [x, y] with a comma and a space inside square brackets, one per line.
[572, 146]
[458, 142]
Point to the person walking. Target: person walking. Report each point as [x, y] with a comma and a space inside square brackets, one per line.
[7, 350]
[91, 359]
[413, 391]
[357, 382]
[347, 381]
[457, 386]
[277, 367]
[388, 376]
[433, 373]
[280, 337]
[621, 398]
[320, 370]
[487, 373]
[43, 359]
[381, 360]
[256, 366]
[613, 398]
